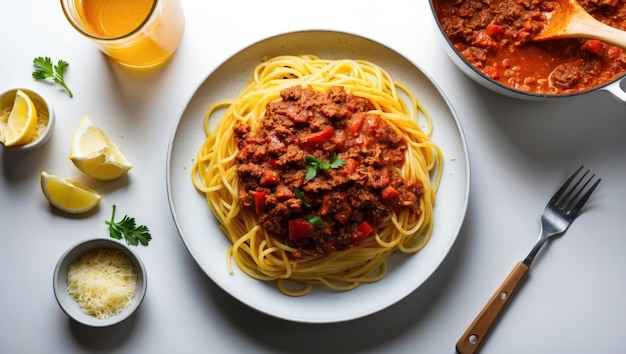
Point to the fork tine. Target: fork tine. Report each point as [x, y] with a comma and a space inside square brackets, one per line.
[567, 200]
[576, 209]
[559, 193]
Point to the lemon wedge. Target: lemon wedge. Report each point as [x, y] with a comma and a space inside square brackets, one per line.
[95, 154]
[68, 195]
[22, 122]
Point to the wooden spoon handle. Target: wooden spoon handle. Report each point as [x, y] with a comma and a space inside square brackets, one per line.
[583, 25]
[477, 331]
[605, 33]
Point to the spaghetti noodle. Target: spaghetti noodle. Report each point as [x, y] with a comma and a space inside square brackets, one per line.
[258, 252]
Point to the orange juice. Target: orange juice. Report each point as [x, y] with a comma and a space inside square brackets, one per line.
[137, 33]
[114, 18]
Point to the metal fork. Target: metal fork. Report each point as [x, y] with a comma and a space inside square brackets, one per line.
[556, 217]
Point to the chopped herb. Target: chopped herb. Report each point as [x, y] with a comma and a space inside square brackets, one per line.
[300, 195]
[44, 69]
[311, 171]
[127, 228]
[315, 220]
[314, 165]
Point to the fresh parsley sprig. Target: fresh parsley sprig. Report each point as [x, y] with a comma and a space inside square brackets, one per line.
[314, 165]
[128, 229]
[45, 69]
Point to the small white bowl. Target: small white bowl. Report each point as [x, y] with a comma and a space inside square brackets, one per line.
[71, 307]
[43, 107]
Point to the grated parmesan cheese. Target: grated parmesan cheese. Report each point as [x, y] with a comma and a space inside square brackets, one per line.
[102, 282]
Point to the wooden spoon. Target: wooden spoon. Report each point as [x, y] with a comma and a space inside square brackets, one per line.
[570, 20]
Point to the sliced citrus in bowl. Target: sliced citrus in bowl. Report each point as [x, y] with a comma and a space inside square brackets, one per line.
[22, 122]
[68, 195]
[95, 154]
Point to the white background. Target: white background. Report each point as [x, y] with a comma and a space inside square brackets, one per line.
[572, 301]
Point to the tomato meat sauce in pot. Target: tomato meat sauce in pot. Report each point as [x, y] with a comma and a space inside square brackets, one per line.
[494, 36]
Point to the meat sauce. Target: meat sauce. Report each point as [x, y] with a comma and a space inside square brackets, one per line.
[341, 205]
[495, 37]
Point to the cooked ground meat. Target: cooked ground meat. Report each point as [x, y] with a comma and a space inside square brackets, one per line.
[495, 37]
[321, 172]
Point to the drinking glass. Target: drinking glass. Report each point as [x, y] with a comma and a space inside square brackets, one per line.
[136, 33]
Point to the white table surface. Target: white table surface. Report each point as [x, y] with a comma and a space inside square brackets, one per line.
[573, 300]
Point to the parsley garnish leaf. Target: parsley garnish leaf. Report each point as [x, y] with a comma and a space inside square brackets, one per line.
[336, 162]
[315, 220]
[128, 229]
[300, 195]
[314, 165]
[45, 69]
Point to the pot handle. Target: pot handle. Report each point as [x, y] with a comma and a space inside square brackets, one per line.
[616, 90]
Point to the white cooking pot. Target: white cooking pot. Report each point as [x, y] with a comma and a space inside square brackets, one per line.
[614, 87]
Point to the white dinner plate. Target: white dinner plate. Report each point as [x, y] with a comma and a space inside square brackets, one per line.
[207, 244]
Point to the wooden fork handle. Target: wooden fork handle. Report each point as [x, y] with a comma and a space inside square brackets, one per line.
[478, 330]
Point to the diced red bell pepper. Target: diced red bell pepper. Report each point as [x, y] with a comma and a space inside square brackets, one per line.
[259, 201]
[355, 123]
[349, 167]
[269, 178]
[363, 231]
[320, 137]
[325, 207]
[365, 228]
[372, 122]
[593, 46]
[494, 30]
[299, 228]
[389, 195]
